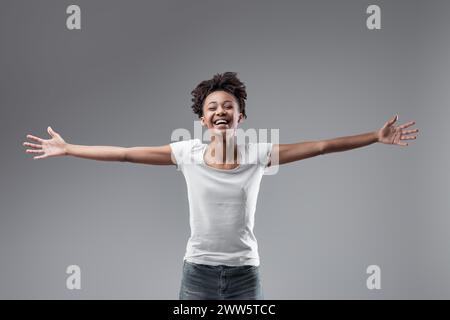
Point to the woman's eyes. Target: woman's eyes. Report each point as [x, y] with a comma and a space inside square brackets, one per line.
[214, 108]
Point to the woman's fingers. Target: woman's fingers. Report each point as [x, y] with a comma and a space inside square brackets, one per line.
[51, 132]
[40, 157]
[33, 145]
[406, 125]
[407, 137]
[38, 147]
[391, 121]
[34, 151]
[410, 131]
[29, 136]
[41, 153]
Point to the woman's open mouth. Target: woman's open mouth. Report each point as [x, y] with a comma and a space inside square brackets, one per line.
[221, 123]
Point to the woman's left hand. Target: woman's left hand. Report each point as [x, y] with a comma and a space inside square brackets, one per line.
[391, 134]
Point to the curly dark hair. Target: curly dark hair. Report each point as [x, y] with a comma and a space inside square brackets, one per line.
[228, 82]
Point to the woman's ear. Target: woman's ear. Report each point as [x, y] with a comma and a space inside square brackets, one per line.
[202, 121]
[241, 118]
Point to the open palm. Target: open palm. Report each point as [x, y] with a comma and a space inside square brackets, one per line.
[391, 134]
[56, 146]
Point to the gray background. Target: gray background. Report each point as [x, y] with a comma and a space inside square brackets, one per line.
[312, 69]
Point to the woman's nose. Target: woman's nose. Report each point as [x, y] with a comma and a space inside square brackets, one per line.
[220, 110]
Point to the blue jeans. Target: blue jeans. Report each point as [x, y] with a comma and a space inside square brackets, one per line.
[204, 282]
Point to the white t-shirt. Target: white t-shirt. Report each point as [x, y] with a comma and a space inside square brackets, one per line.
[222, 203]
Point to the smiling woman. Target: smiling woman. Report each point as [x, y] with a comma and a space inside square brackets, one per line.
[221, 111]
[227, 82]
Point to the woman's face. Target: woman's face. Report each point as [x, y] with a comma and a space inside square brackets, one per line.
[221, 112]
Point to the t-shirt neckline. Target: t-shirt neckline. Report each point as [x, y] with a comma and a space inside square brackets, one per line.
[203, 162]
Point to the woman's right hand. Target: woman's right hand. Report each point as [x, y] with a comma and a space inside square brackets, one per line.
[56, 146]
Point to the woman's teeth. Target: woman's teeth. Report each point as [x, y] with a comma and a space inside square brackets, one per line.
[220, 122]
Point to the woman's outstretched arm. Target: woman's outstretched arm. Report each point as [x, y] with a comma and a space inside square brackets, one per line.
[57, 146]
[388, 134]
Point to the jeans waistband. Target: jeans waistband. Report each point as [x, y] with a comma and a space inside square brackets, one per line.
[222, 267]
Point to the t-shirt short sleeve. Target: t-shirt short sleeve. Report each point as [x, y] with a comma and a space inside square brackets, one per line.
[264, 150]
[181, 151]
[264, 157]
[261, 154]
